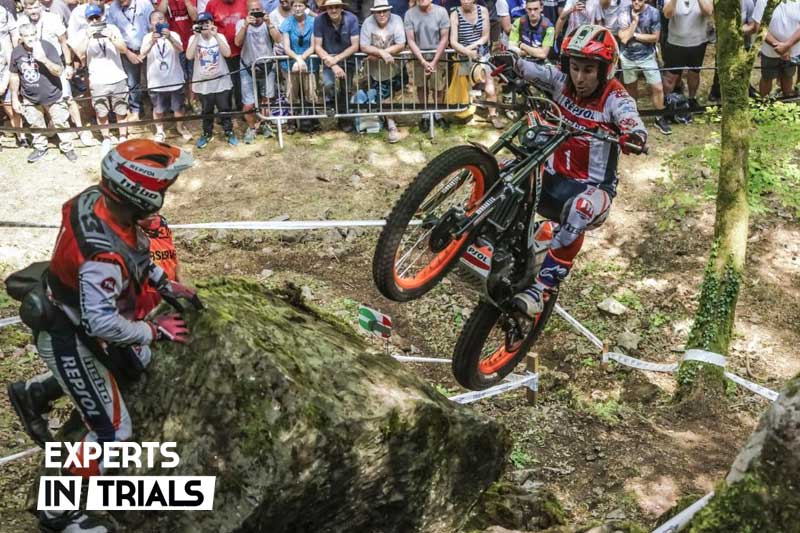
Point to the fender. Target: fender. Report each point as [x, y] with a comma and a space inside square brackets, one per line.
[490, 155]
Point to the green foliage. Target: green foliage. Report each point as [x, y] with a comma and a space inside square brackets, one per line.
[711, 329]
[631, 300]
[609, 411]
[521, 459]
[774, 167]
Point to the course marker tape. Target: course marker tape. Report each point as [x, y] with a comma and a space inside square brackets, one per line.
[530, 380]
[277, 225]
[680, 520]
[20, 455]
[410, 359]
[10, 321]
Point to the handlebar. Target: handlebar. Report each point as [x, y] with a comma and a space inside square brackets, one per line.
[607, 137]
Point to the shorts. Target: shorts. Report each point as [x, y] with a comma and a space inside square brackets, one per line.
[648, 66]
[266, 83]
[164, 101]
[436, 80]
[690, 58]
[776, 67]
[107, 98]
[7, 97]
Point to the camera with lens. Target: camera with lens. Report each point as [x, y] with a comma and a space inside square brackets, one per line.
[257, 14]
[97, 29]
[161, 27]
[197, 28]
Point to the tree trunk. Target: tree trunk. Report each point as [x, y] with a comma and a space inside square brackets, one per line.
[762, 490]
[304, 427]
[700, 383]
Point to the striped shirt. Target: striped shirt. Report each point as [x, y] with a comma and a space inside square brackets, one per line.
[469, 33]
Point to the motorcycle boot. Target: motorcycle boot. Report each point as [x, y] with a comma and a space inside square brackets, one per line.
[72, 522]
[31, 401]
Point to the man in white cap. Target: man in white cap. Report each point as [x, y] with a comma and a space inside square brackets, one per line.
[383, 36]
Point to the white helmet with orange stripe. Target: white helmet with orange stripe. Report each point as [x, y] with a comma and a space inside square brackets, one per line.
[138, 172]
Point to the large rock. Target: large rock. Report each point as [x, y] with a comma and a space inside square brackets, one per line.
[305, 429]
[762, 490]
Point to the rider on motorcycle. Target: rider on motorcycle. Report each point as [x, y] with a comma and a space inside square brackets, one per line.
[580, 180]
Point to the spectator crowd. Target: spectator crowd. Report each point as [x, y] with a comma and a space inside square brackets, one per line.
[65, 63]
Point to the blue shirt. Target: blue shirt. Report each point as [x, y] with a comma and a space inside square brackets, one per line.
[269, 5]
[133, 22]
[649, 23]
[336, 41]
[289, 27]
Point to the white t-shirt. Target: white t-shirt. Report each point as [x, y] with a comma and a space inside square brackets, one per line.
[208, 64]
[753, 10]
[785, 21]
[103, 60]
[49, 27]
[611, 14]
[688, 26]
[589, 15]
[8, 26]
[164, 71]
[257, 43]
[501, 6]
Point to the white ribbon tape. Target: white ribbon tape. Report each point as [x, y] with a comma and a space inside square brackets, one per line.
[285, 225]
[769, 394]
[530, 380]
[409, 359]
[705, 357]
[680, 520]
[580, 327]
[9, 321]
[19, 455]
[641, 365]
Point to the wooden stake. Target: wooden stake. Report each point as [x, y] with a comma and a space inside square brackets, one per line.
[603, 362]
[531, 365]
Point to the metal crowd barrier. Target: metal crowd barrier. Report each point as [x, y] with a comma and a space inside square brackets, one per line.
[370, 88]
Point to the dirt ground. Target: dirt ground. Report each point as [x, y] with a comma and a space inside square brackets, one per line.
[605, 440]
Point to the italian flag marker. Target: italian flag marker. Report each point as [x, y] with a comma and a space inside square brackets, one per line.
[374, 322]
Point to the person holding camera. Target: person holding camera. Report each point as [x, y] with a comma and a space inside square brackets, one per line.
[208, 48]
[132, 17]
[577, 13]
[226, 14]
[256, 36]
[101, 47]
[36, 87]
[162, 48]
[180, 15]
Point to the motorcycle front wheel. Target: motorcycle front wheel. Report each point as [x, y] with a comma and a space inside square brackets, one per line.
[493, 342]
[414, 251]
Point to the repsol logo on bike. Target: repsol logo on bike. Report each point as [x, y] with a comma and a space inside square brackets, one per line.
[578, 111]
[78, 386]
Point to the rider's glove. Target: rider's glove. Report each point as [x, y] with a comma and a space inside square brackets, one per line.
[172, 291]
[631, 143]
[170, 327]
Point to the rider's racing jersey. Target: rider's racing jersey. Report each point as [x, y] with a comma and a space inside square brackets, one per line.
[585, 158]
[97, 271]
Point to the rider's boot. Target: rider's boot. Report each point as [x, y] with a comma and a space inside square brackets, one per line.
[553, 271]
[33, 399]
[73, 522]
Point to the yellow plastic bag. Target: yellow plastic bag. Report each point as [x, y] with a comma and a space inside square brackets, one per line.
[458, 93]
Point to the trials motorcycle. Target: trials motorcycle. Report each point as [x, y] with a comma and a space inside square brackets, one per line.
[475, 206]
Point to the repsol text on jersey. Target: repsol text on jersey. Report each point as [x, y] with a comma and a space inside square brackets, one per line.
[163, 255]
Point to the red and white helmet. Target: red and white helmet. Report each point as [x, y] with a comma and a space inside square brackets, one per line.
[138, 172]
[592, 42]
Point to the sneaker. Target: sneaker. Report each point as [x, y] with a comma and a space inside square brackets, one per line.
[87, 139]
[185, 134]
[22, 142]
[249, 136]
[266, 130]
[530, 301]
[36, 155]
[159, 136]
[32, 420]
[231, 138]
[105, 146]
[203, 141]
[71, 156]
[291, 127]
[72, 522]
[683, 118]
[442, 123]
[393, 136]
[694, 106]
[663, 126]
[425, 124]
[346, 125]
[496, 122]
